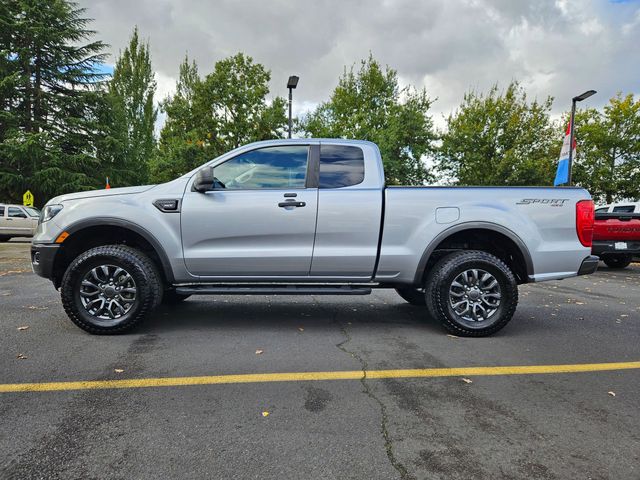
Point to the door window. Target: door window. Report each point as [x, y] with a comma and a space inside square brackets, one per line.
[1, 211]
[340, 166]
[16, 212]
[271, 167]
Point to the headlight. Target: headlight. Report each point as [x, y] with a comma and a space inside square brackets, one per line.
[48, 212]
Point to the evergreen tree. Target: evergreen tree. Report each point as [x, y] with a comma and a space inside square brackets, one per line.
[48, 99]
[130, 142]
[370, 105]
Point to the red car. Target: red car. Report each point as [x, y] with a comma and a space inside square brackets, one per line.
[616, 234]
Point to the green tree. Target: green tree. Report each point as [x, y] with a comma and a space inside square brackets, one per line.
[180, 148]
[131, 116]
[608, 150]
[370, 105]
[500, 138]
[48, 98]
[209, 116]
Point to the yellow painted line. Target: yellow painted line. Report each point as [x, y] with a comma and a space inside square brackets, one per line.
[315, 376]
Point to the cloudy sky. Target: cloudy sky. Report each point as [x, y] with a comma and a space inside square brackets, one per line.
[554, 47]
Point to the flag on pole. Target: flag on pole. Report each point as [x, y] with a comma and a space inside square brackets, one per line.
[562, 175]
[107, 186]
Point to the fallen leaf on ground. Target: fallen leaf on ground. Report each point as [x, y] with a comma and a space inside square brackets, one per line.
[452, 336]
[118, 370]
[301, 329]
[613, 394]
[259, 352]
[265, 414]
[467, 380]
[21, 356]
[35, 307]
[24, 327]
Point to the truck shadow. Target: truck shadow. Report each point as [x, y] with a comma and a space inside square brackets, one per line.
[251, 311]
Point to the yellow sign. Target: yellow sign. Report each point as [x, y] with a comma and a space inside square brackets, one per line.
[27, 199]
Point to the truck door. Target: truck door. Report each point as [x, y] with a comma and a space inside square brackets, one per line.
[260, 219]
[349, 213]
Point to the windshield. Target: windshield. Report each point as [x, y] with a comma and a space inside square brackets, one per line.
[32, 212]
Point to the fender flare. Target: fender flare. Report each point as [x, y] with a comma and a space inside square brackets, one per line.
[473, 226]
[143, 232]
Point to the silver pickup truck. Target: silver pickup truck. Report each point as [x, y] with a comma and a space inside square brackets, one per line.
[312, 217]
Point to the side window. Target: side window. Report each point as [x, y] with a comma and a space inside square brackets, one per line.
[270, 167]
[1, 211]
[602, 209]
[16, 212]
[340, 166]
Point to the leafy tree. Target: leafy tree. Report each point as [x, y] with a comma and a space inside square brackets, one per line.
[48, 98]
[209, 116]
[608, 150]
[180, 148]
[370, 105]
[500, 139]
[130, 115]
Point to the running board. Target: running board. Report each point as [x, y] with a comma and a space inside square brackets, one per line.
[273, 290]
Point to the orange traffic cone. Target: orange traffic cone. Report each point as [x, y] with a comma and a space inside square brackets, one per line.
[107, 186]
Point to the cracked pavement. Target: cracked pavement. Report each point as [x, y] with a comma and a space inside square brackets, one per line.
[504, 427]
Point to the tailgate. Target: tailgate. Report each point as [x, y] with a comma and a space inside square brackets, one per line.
[617, 226]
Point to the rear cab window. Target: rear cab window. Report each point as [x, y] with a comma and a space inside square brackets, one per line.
[340, 166]
[624, 209]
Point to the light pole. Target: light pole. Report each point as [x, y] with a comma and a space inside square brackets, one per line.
[575, 100]
[291, 84]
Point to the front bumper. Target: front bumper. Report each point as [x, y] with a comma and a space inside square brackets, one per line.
[605, 247]
[43, 256]
[589, 265]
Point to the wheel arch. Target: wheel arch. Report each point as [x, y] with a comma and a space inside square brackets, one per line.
[486, 236]
[98, 231]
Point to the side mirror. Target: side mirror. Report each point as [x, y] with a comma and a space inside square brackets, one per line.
[204, 180]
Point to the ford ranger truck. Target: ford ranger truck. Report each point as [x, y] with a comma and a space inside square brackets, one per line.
[616, 234]
[308, 217]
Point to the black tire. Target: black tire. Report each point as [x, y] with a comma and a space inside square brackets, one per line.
[617, 261]
[170, 297]
[144, 282]
[440, 291]
[415, 296]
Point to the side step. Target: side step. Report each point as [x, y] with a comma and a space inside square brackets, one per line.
[273, 290]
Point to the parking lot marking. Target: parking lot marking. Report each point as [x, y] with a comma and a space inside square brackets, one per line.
[315, 376]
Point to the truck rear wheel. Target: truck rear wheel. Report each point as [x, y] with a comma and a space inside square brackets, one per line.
[473, 293]
[110, 289]
[415, 296]
[617, 261]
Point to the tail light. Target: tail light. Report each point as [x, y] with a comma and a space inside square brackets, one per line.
[585, 216]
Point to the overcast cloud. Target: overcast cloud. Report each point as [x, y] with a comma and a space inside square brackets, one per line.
[558, 48]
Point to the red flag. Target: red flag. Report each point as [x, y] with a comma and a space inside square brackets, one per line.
[107, 186]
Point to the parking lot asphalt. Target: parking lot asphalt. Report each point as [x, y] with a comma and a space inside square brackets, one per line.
[535, 426]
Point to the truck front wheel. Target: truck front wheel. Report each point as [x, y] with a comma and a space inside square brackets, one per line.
[110, 289]
[617, 261]
[473, 293]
